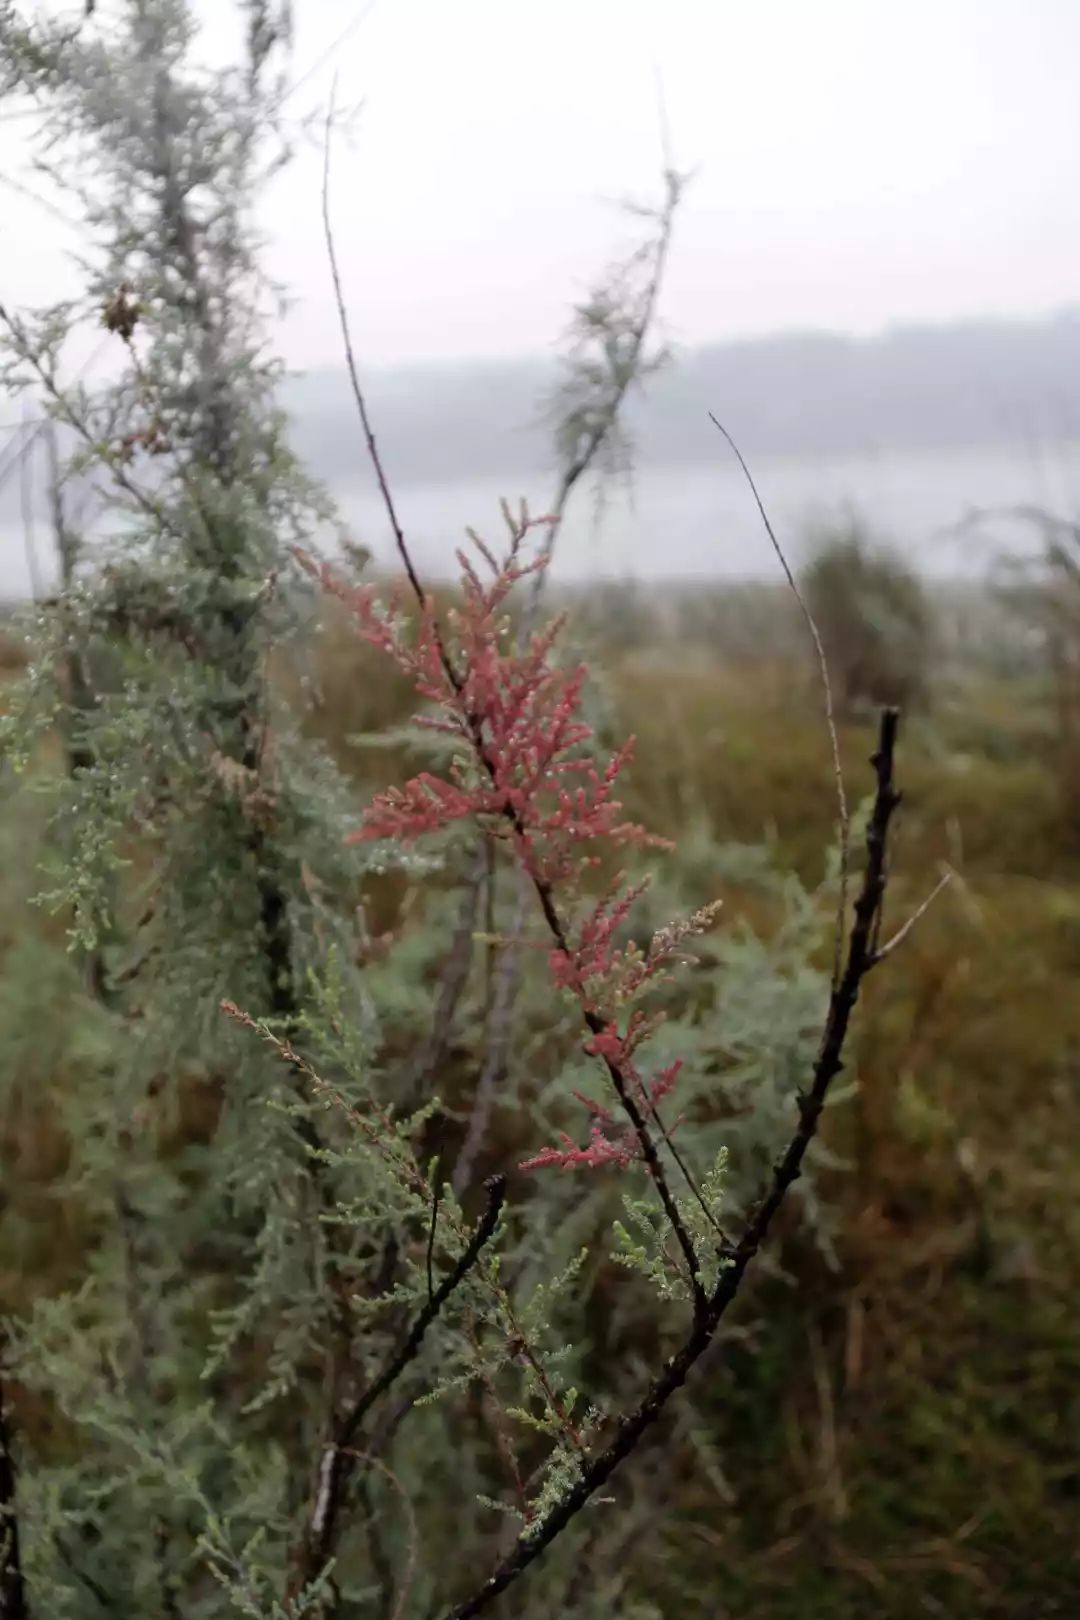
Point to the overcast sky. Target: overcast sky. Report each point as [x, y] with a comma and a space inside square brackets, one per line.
[859, 162]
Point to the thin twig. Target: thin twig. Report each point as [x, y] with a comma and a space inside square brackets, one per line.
[544, 891]
[354, 376]
[26, 502]
[902, 933]
[430, 1257]
[624, 379]
[331, 51]
[95, 1588]
[597, 1470]
[337, 1461]
[496, 1057]
[830, 717]
[409, 1573]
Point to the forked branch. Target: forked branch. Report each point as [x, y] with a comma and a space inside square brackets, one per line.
[856, 958]
[630, 1428]
[544, 891]
[339, 1457]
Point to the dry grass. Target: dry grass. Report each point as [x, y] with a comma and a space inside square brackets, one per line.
[904, 1438]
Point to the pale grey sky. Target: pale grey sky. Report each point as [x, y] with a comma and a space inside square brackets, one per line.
[859, 162]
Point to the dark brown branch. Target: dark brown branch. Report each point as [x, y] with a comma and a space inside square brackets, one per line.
[596, 1026]
[631, 1427]
[338, 1461]
[13, 1603]
[95, 1588]
[572, 473]
[544, 891]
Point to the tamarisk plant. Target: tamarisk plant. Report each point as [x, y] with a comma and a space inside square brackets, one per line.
[295, 1313]
[525, 773]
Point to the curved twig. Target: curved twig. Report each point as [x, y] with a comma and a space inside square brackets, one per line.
[830, 715]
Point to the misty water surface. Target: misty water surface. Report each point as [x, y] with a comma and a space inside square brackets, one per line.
[699, 521]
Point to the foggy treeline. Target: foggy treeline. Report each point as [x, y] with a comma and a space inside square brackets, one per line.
[969, 383]
[960, 385]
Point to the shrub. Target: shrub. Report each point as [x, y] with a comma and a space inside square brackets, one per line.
[300, 1319]
[874, 618]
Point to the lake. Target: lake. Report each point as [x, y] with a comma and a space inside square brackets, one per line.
[699, 522]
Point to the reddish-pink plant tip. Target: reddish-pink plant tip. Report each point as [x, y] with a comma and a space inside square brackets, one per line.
[533, 779]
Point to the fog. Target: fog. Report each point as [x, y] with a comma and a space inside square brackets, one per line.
[867, 280]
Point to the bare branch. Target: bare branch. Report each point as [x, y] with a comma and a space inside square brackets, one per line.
[606, 399]
[338, 1460]
[543, 889]
[354, 375]
[430, 1256]
[632, 1426]
[830, 717]
[902, 933]
[329, 53]
[485, 1230]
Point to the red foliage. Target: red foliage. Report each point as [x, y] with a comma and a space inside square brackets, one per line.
[528, 772]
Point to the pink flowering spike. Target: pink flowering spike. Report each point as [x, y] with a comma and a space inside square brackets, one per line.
[534, 777]
[663, 1082]
[599, 1151]
[597, 1110]
[423, 805]
[543, 1160]
[608, 1044]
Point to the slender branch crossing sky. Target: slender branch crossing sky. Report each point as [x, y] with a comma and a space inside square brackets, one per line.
[858, 163]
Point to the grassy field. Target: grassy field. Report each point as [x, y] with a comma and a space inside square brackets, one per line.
[899, 1433]
[920, 1407]
[904, 1437]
